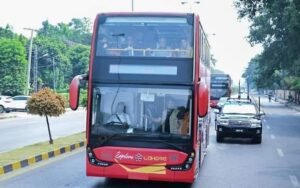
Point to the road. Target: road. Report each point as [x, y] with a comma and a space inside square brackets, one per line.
[235, 163]
[29, 129]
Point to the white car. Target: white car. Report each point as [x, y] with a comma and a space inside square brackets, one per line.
[16, 103]
[2, 103]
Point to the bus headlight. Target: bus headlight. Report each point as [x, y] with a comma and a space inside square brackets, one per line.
[94, 161]
[185, 166]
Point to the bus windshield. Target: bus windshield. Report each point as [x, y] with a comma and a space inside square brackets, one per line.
[141, 111]
[145, 36]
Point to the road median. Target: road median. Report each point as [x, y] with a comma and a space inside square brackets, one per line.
[29, 155]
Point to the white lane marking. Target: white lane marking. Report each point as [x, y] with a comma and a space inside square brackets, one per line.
[268, 127]
[273, 136]
[280, 152]
[294, 181]
[265, 121]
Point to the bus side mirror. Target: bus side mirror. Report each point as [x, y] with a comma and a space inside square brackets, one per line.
[202, 100]
[74, 91]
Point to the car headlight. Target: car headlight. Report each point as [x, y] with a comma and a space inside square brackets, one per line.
[255, 123]
[223, 122]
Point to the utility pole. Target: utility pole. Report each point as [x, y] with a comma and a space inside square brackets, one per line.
[54, 77]
[29, 61]
[35, 73]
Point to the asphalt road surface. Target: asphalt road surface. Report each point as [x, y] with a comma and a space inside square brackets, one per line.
[29, 129]
[236, 163]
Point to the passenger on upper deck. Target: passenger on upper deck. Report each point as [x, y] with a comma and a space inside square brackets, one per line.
[129, 47]
[185, 49]
[162, 50]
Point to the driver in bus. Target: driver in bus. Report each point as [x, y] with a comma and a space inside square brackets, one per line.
[120, 117]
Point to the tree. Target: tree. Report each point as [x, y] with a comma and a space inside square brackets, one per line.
[56, 66]
[276, 25]
[79, 57]
[12, 67]
[46, 103]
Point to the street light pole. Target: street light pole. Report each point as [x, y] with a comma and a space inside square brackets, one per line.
[190, 2]
[132, 5]
[29, 61]
[54, 77]
[35, 77]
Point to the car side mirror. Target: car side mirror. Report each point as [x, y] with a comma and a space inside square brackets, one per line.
[262, 113]
[217, 111]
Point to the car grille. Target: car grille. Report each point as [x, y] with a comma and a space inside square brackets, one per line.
[239, 123]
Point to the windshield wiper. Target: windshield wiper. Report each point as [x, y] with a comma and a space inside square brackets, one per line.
[170, 144]
[109, 137]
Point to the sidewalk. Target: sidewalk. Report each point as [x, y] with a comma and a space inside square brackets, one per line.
[289, 105]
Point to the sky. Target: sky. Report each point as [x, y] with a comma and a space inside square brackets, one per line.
[226, 34]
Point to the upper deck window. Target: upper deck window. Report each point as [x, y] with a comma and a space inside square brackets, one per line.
[141, 36]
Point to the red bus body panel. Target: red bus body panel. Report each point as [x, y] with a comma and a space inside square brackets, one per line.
[141, 164]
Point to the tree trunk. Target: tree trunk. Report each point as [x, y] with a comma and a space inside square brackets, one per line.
[50, 141]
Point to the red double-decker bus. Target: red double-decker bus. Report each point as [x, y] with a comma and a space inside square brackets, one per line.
[220, 86]
[148, 97]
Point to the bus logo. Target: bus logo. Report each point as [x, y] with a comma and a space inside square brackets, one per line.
[139, 157]
[121, 156]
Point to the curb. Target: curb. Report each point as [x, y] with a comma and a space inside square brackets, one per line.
[38, 158]
[294, 108]
[7, 117]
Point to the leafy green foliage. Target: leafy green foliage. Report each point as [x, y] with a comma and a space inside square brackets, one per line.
[79, 57]
[275, 25]
[46, 103]
[83, 98]
[12, 67]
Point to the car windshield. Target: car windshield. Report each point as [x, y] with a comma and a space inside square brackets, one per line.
[223, 99]
[239, 108]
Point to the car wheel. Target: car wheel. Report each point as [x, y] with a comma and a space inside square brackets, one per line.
[2, 109]
[219, 137]
[257, 140]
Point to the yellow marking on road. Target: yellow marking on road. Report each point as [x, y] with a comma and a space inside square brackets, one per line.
[68, 148]
[1, 170]
[16, 165]
[45, 156]
[56, 152]
[31, 160]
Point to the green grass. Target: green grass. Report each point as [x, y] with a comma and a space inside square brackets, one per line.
[39, 148]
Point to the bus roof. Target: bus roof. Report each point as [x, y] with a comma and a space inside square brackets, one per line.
[144, 14]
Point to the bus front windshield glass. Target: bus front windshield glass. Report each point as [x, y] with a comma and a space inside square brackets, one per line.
[217, 93]
[144, 112]
[145, 37]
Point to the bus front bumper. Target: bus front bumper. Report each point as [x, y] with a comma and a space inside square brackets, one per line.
[163, 174]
